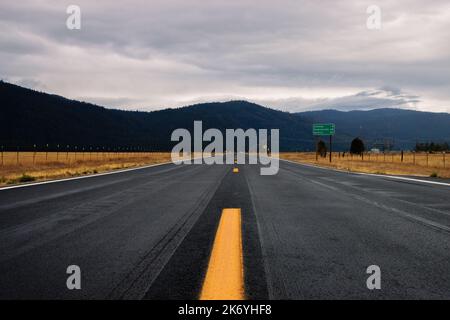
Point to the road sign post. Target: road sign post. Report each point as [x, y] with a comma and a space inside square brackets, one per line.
[331, 149]
[324, 129]
[317, 150]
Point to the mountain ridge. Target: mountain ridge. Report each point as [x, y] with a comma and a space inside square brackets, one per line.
[29, 117]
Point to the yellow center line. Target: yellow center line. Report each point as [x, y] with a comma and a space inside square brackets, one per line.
[225, 275]
[235, 170]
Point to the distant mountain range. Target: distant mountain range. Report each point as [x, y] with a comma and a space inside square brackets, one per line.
[29, 118]
[402, 128]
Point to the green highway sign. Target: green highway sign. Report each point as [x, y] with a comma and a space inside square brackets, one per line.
[323, 129]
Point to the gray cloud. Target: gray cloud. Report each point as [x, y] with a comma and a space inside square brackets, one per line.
[367, 100]
[364, 100]
[115, 102]
[289, 54]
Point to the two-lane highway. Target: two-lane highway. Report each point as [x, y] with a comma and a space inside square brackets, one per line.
[306, 233]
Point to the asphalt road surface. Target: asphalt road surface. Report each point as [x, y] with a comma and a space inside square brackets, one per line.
[307, 233]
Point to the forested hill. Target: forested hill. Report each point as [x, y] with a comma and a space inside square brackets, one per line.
[29, 118]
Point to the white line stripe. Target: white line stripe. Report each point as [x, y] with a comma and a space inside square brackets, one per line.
[81, 177]
[91, 175]
[371, 174]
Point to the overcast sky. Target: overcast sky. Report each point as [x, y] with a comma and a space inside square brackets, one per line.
[292, 55]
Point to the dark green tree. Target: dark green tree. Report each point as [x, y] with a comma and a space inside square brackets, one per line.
[357, 146]
[432, 147]
[322, 148]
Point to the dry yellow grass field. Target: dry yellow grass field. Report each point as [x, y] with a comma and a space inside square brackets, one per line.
[416, 164]
[20, 167]
[17, 167]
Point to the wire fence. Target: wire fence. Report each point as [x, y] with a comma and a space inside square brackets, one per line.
[425, 159]
[27, 158]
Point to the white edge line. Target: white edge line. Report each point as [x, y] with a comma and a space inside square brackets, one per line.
[370, 174]
[90, 176]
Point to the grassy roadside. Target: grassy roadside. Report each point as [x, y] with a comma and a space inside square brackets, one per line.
[48, 167]
[377, 165]
[11, 174]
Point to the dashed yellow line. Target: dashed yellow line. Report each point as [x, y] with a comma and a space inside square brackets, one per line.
[225, 275]
[235, 170]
